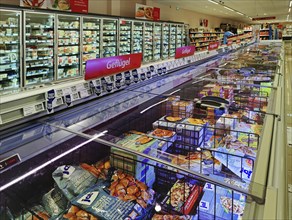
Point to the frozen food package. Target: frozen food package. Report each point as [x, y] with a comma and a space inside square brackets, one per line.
[54, 202]
[73, 180]
[74, 213]
[182, 196]
[35, 213]
[98, 202]
[174, 217]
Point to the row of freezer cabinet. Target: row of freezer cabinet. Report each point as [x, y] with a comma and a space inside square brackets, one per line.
[57, 46]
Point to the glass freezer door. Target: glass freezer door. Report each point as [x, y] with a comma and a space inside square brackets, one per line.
[68, 46]
[39, 48]
[157, 41]
[91, 40]
[165, 40]
[125, 40]
[138, 37]
[109, 38]
[148, 42]
[172, 42]
[179, 36]
[9, 50]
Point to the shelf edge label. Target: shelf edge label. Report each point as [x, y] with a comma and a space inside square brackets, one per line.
[184, 51]
[107, 66]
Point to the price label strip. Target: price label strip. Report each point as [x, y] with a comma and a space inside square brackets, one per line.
[9, 161]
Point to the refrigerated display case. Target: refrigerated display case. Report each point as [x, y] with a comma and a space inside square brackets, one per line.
[165, 40]
[91, 39]
[138, 30]
[172, 40]
[39, 48]
[125, 37]
[69, 56]
[109, 37]
[10, 52]
[148, 42]
[157, 41]
[180, 36]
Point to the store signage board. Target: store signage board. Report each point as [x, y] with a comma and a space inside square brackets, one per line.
[264, 18]
[9, 161]
[107, 66]
[184, 51]
[80, 6]
[147, 12]
[213, 46]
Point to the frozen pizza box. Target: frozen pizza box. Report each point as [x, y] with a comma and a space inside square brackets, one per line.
[191, 127]
[182, 196]
[220, 206]
[167, 122]
[242, 167]
[166, 138]
[231, 181]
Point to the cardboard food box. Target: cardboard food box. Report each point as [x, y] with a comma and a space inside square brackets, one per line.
[131, 162]
[163, 123]
[182, 196]
[220, 206]
[166, 138]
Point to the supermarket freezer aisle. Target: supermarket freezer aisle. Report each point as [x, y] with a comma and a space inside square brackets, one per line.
[288, 116]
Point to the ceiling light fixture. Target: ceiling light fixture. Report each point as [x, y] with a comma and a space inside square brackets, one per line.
[239, 13]
[213, 2]
[230, 9]
[289, 9]
[290, 4]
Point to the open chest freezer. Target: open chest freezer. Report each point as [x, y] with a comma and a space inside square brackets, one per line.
[203, 150]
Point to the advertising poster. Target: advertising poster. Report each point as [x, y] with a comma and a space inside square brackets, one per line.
[147, 12]
[34, 3]
[80, 6]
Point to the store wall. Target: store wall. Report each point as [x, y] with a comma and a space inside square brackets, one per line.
[126, 8]
[170, 13]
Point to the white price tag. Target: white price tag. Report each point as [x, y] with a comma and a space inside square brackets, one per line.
[28, 110]
[80, 87]
[84, 93]
[75, 96]
[73, 89]
[66, 91]
[39, 107]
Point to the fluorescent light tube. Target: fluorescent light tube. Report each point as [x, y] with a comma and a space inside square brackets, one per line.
[213, 2]
[290, 4]
[230, 9]
[239, 13]
[289, 9]
[146, 109]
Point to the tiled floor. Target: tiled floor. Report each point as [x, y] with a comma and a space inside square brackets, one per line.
[288, 112]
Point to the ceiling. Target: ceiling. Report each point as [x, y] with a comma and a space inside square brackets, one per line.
[249, 9]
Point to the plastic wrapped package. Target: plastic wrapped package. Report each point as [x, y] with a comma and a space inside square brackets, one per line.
[73, 180]
[54, 202]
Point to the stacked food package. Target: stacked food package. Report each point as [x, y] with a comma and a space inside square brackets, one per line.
[91, 192]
